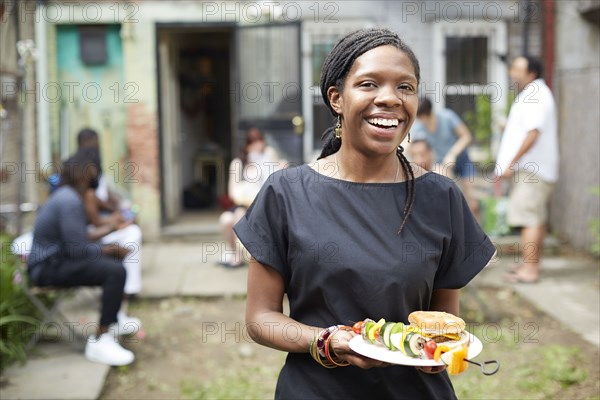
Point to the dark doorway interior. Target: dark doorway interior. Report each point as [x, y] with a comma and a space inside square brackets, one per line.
[203, 74]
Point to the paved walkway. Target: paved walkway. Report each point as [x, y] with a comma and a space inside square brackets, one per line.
[569, 291]
[190, 269]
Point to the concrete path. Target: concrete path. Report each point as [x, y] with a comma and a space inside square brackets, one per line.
[56, 371]
[569, 291]
[190, 269]
[57, 368]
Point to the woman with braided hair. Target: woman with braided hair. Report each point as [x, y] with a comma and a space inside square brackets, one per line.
[359, 233]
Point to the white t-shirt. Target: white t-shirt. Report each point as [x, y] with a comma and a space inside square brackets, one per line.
[102, 189]
[533, 108]
[245, 182]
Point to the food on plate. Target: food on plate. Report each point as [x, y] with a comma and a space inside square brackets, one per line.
[429, 348]
[431, 335]
[357, 327]
[437, 325]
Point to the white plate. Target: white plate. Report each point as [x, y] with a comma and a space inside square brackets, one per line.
[382, 353]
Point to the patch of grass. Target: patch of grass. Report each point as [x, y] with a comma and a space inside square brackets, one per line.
[540, 358]
[556, 369]
[123, 369]
[533, 364]
[562, 365]
[240, 383]
[533, 376]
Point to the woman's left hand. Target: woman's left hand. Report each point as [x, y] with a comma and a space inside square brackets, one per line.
[339, 345]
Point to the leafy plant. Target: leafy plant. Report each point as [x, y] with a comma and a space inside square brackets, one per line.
[480, 120]
[18, 317]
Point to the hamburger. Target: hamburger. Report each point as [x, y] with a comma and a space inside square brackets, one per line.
[438, 326]
[448, 333]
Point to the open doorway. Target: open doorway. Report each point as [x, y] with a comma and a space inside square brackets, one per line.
[215, 83]
[196, 127]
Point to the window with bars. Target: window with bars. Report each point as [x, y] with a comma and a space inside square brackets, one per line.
[466, 76]
[466, 60]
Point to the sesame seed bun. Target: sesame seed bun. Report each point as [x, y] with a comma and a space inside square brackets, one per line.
[436, 323]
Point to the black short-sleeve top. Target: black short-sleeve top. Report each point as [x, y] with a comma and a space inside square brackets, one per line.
[336, 245]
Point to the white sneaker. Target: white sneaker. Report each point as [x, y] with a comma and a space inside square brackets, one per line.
[125, 325]
[106, 350]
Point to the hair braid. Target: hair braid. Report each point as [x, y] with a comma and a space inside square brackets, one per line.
[410, 193]
[336, 66]
[332, 144]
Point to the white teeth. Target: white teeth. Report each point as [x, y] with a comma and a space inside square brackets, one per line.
[383, 121]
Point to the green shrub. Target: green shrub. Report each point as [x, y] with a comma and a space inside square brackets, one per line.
[18, 317]
[479, 121]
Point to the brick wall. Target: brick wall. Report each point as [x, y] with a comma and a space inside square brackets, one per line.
[143, 180]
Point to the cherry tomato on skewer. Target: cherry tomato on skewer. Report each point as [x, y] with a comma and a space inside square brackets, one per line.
[429, 348]
[357, 328]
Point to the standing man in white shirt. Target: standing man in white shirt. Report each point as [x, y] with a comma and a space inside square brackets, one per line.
[528, 158]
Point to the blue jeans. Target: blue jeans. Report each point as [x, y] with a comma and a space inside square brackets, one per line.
[464, 168]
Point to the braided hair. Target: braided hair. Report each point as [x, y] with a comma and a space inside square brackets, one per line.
[335, 69]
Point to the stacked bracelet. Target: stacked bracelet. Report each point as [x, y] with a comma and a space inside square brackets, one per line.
[314, 352]
[320, 348]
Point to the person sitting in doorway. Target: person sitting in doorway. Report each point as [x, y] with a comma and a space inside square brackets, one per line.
[65, 253]
[98, 202]
[247, 174]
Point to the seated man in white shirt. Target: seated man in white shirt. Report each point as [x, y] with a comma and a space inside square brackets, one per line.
[528, 158]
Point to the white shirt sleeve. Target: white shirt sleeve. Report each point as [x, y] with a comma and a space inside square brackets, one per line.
[102, 189]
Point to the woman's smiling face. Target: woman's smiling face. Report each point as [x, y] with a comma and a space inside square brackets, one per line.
[378, 101]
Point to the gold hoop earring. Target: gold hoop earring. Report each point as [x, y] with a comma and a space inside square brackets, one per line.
[338, 128]
[408, 137]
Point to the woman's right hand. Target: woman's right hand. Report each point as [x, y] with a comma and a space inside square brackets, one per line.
[339, 344]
